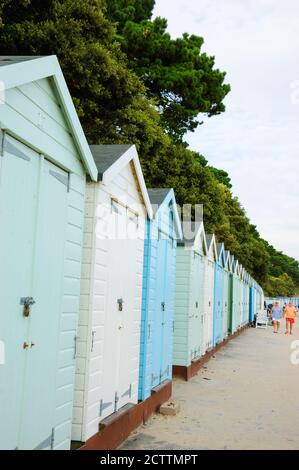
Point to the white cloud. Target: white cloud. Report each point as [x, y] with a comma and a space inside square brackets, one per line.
[257, 140]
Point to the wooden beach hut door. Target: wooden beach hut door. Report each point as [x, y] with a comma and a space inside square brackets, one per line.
[40, 375]
[159, 368]
[167, 313]
[251, 304]
[209, 294]
[217, 323]
[33, 210]
[235, 303]
[119, 317]
[230, 302]
[225, 295]
[195, 320]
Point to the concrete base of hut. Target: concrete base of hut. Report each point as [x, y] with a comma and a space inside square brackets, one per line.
[187, 372]
[114, 429]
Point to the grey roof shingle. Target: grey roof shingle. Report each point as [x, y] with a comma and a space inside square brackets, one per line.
[209, 237]
[191, 229]
[15, 59]
[157, 196]
[106, 155]
[219, 247]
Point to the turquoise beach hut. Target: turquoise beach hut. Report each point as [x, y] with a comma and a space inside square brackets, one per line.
[251, 300]
[210, 262]
[158, 295]
[218, 295]
[236, 304]
[43, 167]
[226, 296]
[246, 295]
[190, 313]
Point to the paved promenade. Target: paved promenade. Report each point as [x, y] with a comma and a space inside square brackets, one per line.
[247, 397]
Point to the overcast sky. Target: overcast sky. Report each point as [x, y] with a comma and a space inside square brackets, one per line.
[257, 139]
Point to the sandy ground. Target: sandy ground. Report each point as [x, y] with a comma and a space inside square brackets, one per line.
[247, 397]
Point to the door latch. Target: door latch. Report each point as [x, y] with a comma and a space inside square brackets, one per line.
[27, 302]
[163, 306]
[120, 304]
[27, 345]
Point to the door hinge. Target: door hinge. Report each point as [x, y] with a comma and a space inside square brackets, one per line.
[116, 400]
[93, 333]
[2, 143]
[47, 442]
[196, 353]
[127, 392]
[52, 438]
[103, 406]
[13, 150]
[75, 346]
[166, 371]
[149, 331]
[154, 377]
[61, 178]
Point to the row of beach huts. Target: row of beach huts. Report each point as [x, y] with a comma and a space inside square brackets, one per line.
[105, 291]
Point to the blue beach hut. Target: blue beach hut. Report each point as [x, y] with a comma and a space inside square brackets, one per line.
[226, 297]
[251, 300]
[158, 295]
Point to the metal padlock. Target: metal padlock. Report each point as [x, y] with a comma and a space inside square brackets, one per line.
[27, 302]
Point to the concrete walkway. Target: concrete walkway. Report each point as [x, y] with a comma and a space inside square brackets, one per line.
[247, 397]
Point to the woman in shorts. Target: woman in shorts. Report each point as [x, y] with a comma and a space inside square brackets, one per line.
[290, 315]
[276, 317]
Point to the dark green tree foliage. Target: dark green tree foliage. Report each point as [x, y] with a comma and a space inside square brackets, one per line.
[281, 263]
[122, 11]
[222, 176]
[281, 286]
[79, 33]
[176, 72]
[115, 106]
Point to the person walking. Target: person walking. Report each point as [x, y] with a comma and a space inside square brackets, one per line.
[276, 317]
[290, 315]
[269, 309]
